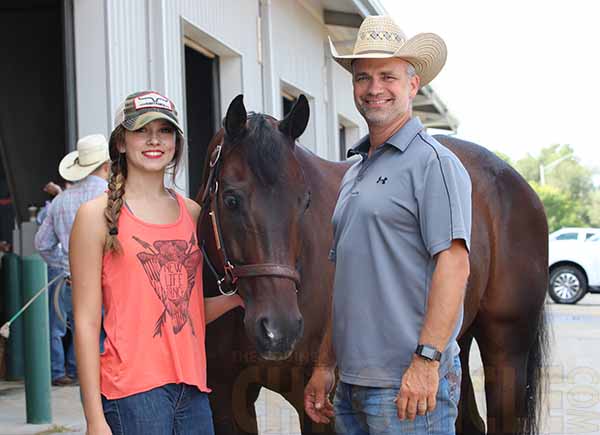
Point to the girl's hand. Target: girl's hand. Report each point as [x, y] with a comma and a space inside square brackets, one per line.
[238, 302]
[99, 429]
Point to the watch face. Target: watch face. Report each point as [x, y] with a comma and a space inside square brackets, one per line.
[428, 352]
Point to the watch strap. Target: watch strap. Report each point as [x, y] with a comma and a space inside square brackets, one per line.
[428, 352]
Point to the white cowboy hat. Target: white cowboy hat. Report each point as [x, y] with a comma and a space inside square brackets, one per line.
[379, 37]
[92, 151]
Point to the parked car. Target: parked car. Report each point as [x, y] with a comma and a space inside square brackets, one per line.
[574, 265]
[574, 234]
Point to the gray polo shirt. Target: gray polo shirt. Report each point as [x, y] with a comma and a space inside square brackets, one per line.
[396, 210]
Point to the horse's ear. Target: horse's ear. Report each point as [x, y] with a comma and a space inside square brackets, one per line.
[295, 122]
[235, 120]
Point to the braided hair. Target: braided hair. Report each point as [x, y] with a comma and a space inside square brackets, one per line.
[116, 190]
[116, 184]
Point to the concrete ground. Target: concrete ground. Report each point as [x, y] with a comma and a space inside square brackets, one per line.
[573, 399]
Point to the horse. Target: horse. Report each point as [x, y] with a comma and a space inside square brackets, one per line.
[267, 206]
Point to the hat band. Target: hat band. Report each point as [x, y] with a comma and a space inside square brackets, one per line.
[374, 52]
[83, 165]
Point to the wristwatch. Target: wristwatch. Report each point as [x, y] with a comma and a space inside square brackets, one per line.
[430, 353]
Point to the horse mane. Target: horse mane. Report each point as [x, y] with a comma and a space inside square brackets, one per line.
[263, 148]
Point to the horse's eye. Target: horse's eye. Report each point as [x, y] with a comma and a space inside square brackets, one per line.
[231, 202]
[308, 199]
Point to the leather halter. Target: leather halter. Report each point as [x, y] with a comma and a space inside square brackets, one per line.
[227, 282]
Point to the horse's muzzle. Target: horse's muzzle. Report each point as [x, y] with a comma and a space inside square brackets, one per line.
[276, 338]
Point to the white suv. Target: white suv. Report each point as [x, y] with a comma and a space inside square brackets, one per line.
[574, 261]
[574, 234]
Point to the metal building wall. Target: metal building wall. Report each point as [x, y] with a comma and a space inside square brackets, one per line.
[344, 102]
[91, 69]
[232, 24]
[299, 62]
[128, 60]
[138, 44]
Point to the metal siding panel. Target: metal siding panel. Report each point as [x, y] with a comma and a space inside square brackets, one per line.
[298, 46]
[91, 68]
[128, 48]
[298, 51]
[299, 59]
[342, 85]
[233, 22]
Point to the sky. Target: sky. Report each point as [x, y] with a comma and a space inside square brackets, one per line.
[520, 75]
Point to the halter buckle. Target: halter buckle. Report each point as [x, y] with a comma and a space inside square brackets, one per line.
[223, 292]
[229, 272]
[229, 279]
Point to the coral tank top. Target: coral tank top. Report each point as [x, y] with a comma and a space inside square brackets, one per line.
[153, 307]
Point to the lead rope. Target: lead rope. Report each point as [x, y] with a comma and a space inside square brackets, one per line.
[5, 329]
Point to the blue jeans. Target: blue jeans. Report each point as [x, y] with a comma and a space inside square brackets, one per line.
[173, 409]
[368, 410]
[58, 359]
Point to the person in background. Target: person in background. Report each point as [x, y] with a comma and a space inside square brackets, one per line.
[7, 214]
[52, 189]
[56, 302]
[87, 167]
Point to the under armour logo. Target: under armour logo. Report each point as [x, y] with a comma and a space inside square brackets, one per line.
[381, 180]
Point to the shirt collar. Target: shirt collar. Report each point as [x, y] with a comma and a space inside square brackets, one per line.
[93, 179]
[401, 139]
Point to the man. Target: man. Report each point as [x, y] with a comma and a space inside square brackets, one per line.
[402, 228]
[88, 166]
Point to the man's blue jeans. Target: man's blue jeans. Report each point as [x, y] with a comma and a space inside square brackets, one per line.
[58, 329]
[368, 411]
[173, 409]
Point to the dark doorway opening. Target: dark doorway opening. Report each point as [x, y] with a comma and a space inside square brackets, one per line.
[342, 138]
[33, 113]
[202, 110]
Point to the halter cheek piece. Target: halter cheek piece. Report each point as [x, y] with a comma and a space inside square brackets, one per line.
[227, 282]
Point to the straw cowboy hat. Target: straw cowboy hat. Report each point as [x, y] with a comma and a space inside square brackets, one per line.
[91, 152]
[379, 38]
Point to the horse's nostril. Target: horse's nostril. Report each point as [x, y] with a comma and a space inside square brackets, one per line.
[267, 331]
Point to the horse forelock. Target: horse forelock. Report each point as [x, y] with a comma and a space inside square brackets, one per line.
[264, 148]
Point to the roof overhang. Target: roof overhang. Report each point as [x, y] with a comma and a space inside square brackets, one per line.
[432, 111]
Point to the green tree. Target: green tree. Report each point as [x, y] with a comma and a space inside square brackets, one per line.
[529, 168]
[504, 157]
[561, 211]
[594, 208]
[568, 194]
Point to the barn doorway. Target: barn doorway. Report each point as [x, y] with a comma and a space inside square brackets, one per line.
[202, 108]
[35, 120]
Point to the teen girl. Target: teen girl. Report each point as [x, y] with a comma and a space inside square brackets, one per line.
[134, 253]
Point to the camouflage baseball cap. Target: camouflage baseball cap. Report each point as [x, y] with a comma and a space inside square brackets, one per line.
[143, 107]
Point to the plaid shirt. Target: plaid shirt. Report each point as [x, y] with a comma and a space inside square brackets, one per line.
[52, 238]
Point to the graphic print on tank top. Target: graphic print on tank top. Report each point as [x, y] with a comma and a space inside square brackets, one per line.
[171, 267]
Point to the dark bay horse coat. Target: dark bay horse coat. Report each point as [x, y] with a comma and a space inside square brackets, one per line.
[265, 217]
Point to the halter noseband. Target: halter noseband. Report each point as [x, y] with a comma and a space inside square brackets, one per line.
[227, 282]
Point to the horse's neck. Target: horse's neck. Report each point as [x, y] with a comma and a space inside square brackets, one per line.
[320, 173]
[323, 178]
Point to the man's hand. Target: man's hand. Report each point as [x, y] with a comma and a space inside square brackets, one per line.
[316, 395]
[418, 389]
[52, 188]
